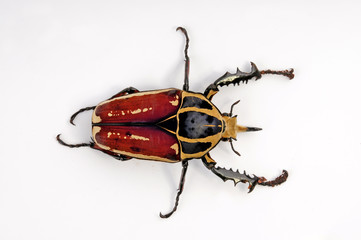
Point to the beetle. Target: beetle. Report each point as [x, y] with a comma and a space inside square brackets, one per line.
[173, 125]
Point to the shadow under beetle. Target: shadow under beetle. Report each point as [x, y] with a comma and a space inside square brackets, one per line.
[172, 125]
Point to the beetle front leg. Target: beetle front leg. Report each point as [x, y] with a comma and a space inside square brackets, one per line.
[180, 190]
[237, 177]
[239, 76]
[187, 62]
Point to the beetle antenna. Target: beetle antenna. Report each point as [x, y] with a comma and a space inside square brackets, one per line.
[72, 145]
[230, 140]
[286, 73]
[81, 110]
[233, 106]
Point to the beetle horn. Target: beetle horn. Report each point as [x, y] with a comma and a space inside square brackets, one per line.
[247, 129]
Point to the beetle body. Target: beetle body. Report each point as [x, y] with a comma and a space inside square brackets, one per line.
[167, 125]
[172, 125]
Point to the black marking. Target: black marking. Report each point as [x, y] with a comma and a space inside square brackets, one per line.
[196, 102]
[198, 125]
[191, 148]
[170, 124]
[135, 149]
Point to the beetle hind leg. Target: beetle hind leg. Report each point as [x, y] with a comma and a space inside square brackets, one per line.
[110, 153]
[180, 190]
[80, 111]
[72, 145]
[125, 91]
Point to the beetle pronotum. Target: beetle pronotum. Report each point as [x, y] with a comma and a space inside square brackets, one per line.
[173, 125]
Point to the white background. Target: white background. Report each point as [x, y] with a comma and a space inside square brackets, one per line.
[59, 56]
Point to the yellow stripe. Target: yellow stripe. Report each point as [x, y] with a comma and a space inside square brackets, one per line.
[211, 139]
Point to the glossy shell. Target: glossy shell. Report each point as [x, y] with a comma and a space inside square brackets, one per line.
[168, 125]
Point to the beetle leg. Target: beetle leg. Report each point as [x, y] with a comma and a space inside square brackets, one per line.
[128, 90]
[237, 177]
[186, 71]
[239, 76]
[72, 145]
[180, 190]
[110, 153]
[94, 146]
[79, 111]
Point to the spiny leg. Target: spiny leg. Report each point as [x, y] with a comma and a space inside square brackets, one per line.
[128, 90]
[237, 177]
[239, 76]
[180, 190]
[186, 74]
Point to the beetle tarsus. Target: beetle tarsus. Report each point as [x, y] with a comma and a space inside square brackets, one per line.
[286, 73]
[180, 190]
[72, 145]
[279, 180]
[81, 110]
[187, 61]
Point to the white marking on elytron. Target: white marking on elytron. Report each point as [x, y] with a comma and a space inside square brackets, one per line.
[96, 119]
[140, 156]
[175, 147]
[145, 109]
[136, 111]
[139, 138]
[96, 130]
[110, 114]
[109, 134]
[174, 103]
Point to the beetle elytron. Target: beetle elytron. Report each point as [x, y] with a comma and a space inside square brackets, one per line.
[172, 125]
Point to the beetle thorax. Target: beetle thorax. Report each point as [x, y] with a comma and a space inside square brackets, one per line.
[230, 127]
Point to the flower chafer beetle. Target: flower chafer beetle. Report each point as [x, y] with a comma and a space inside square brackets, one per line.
[172, 125]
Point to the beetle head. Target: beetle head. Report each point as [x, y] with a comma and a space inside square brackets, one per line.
[231, 128]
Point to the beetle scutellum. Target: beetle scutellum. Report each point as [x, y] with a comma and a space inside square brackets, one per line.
[172, 125]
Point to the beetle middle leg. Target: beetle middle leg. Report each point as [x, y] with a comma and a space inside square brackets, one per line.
[237, 177]
[239, 76]
[180, 190]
